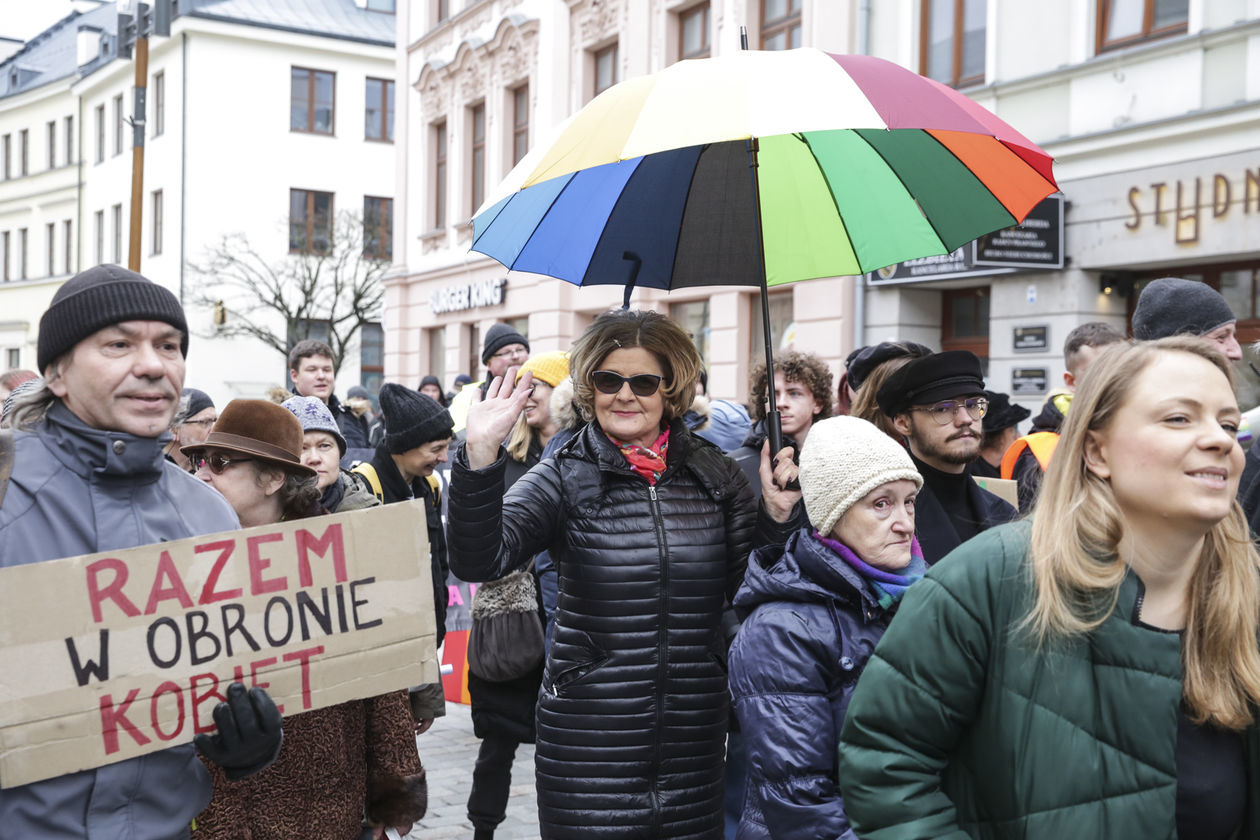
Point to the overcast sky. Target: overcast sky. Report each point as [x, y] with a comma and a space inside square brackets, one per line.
[24, 19]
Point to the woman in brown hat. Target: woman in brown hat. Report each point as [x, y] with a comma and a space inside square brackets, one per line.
[339, 763]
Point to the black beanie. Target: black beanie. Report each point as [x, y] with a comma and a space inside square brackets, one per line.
[498, 337]
[97, 298]
[198, 401]
[412, 419]
[1173, 306]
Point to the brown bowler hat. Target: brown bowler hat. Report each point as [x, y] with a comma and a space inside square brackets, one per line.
[258, 428]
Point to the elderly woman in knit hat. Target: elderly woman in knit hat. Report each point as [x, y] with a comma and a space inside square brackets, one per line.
[815, 609]
[322, 450]
[338, 763]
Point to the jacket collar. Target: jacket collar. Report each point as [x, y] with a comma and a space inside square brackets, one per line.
[804, 570]
[95, 453]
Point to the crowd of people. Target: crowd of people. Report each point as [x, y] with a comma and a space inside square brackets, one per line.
[849, 637]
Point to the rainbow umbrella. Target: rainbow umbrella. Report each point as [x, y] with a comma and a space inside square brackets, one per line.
[761, 168]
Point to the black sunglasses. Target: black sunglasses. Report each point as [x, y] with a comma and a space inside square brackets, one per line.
[642, 384]
[216, 462]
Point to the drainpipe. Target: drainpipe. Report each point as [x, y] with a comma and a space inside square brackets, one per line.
[183, 157]
[859, 282]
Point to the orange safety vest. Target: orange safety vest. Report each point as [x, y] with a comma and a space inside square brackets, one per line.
[1042, 445]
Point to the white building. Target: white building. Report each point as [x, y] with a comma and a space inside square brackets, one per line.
[261, 116]
[1152, 110]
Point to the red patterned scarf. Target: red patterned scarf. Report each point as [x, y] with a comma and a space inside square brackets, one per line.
[647, 462]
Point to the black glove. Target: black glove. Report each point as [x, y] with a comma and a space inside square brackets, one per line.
[249, 735]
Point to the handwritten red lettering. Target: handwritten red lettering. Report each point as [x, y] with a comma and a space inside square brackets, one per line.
[113, 717]
[208, 592]
[304, 657]
[166, 571]
[257, 564]
[307, 544]
[167, 687]
[198, 699]
[112, 591]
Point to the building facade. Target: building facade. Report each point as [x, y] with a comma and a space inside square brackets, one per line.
[265, 124]
[1151, 109]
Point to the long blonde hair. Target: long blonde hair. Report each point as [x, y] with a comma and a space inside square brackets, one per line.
[1077, 571]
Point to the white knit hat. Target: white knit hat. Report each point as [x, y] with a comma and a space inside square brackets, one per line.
[843, 459]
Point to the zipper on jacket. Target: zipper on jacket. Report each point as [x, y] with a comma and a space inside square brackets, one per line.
[662, 642]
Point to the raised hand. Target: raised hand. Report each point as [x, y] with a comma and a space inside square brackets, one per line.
[491, 419]
[775, 476]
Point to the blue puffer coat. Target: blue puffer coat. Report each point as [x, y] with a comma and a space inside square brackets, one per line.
[793, 668]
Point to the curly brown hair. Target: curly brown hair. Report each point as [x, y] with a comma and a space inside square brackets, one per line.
[805, 368]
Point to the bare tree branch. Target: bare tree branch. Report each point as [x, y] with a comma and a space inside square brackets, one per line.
[283, 301]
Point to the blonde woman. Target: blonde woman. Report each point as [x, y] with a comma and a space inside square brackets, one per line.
[1093, 672]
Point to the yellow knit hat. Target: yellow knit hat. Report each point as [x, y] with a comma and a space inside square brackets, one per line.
[547, 367]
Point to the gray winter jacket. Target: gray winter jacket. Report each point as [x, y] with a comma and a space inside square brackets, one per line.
[77, 490]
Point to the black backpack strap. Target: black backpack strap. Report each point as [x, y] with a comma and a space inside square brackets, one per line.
[6, 460]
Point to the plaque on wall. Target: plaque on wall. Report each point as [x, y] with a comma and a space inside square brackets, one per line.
[1029, 380]
[1031, 339]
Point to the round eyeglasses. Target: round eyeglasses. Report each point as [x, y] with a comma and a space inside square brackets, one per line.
[943, 413]
[642, 384]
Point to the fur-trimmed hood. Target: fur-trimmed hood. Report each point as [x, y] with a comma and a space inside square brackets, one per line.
[563, 409]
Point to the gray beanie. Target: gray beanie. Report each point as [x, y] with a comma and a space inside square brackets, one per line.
[315, 417]
[1173, 306]
[842, 460]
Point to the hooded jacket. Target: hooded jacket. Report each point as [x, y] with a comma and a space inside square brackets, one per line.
[78, 490]
[961, 728]
[632, 717]
[794, 665]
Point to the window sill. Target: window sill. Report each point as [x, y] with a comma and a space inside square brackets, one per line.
[432, 240]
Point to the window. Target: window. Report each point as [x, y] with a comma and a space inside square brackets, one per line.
[952, 41]
[605, 68]
[67, 257]
[378, 228]
[311, 107]
[443, 9]
[474, 349]
[50, 249]
[4, 256]
[100, 133]
[965, 322]
[439, 174]
[24, 152]
[302, 328]
[477, 157]
[1125, 22]
[386, 6]
[781, 316]
[7, 142]
[157, 222]
[52, 144]
[437, 353]
[520, 123]
[69, 140]
[159, 104]
[22, 249]
[780, 24]
[693, 32]
[693, 316]
[116, 215]
[310, 221]
[378, 111]
[118, 124]
[372, 358]
[13, 357]
[98, 252]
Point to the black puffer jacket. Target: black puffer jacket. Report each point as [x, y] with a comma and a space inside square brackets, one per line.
[632, 715]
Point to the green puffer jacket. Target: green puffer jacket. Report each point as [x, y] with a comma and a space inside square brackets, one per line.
[959, 728]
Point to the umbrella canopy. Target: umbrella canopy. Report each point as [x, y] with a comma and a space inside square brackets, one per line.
[860, 164]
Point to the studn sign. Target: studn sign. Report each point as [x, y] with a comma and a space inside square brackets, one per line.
[468, 296]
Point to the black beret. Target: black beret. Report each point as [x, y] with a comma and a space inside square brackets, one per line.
[929, 379]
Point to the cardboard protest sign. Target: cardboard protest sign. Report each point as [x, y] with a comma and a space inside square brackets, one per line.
[113, 655]
[1004, 488]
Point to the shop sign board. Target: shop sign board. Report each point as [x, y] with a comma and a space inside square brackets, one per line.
[1030, 380]
[943, 267]
[465, 296]
[1037, 242]
[1031, 339]
[114, 655]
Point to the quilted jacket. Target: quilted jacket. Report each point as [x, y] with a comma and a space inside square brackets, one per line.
[959, 728]
[632, 716]
[794, 665]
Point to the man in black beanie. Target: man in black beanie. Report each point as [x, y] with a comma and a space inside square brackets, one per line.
[88, 476]
[502, 348]
[1174, 306]
[192, 423]
[417, 435]
[937, 402]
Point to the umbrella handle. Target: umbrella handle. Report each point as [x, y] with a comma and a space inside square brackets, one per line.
[774, 428]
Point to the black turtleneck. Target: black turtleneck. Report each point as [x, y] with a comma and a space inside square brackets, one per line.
[950, 489]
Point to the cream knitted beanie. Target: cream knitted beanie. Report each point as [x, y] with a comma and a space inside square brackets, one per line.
[842, 460]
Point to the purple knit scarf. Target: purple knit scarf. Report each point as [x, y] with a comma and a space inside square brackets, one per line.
[889, 586]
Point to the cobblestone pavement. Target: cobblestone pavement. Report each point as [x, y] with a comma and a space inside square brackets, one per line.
[449, 751]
